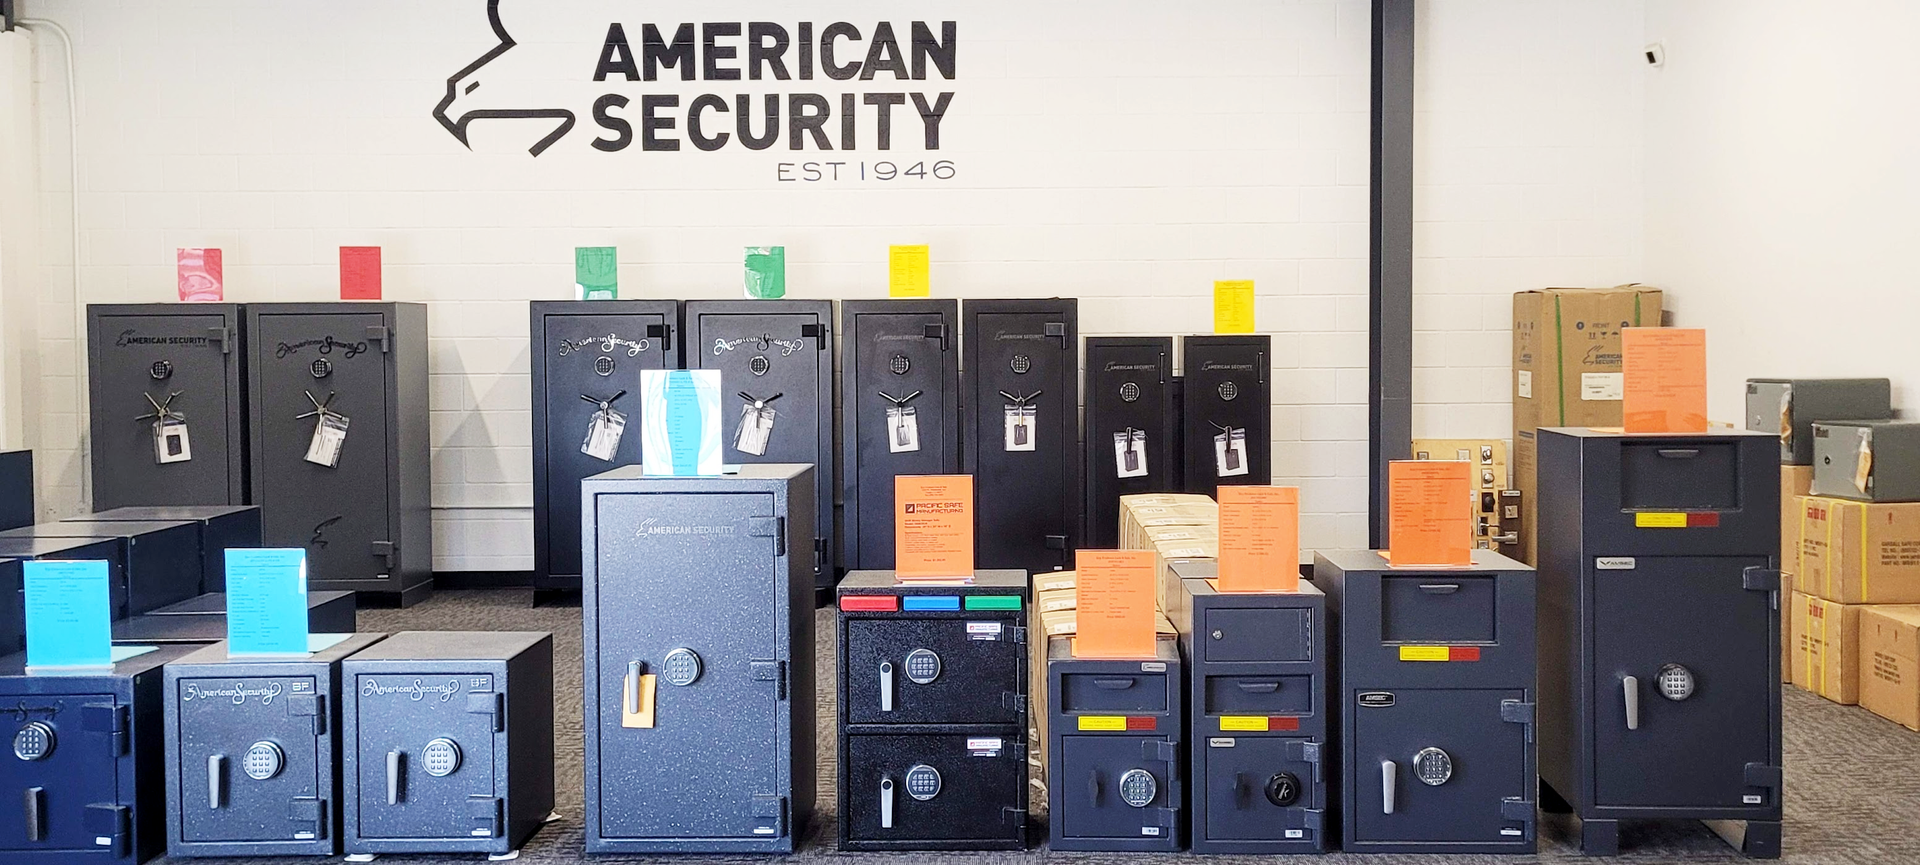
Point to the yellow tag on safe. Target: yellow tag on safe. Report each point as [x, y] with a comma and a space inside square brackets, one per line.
[1646, 520]
[1425, 653]
[1103, 722]
[640, 697]
[1243, 723]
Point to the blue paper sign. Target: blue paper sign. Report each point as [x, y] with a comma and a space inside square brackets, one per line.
[680, 431]
[266, 602]
[69, 617]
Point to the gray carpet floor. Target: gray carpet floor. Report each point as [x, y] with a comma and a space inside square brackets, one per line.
[1853, 779]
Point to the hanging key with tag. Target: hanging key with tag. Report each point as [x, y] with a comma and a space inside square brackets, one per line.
[1020, 427]
[170, 441]
[903, 423]
[604, 428]
[1230, 451]
[329, 431]
[756, 424]
[1130, 453]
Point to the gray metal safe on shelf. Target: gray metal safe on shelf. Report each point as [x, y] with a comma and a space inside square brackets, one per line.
[109, 550]
[779, 354]
[86, 779]
[698, 641]
[1114, 743]
[1659, 582]
[153, 563]
[252, 767]
[359, 503]
[151, 369]
[899, 413]
[222, 528]
[1789, 408]
[447, 742]
[1132, 433]
[203, 620]
[1433, 703]
[1257, 672]
[1021, 395]
[587, 355]
[1889, 450]
[1226, 393]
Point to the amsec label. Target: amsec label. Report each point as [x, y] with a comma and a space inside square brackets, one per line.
[1375, 699]
[132, 337]
[415, 690]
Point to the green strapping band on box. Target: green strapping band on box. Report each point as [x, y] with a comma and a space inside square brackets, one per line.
[1559, 361]
[993, 602]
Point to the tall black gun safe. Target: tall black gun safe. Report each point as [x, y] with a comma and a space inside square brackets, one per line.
[222, 528]
[446, 742]
[899, 413]
[1022, 397]
[13, 614]
[167, 404]
[775, 359]
[337, 394]
[1790, 407]
[698, 617]
[933, 713]
[1113, 745]
[1226, 411]
[86, 779]
[587, 356]
[252, 763]
[1131, 429]
[1433, 703]
[16, 489]
[1660, 632]
[1257, 670]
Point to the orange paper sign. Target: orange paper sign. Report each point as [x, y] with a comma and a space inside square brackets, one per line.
[1116, 604]
[1259, 539]
[932, 526]
[1426, 525]
[1665, 382]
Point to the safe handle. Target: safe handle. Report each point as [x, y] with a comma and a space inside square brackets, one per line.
[1630, 689]
[1389, 774]
[396, 769]
[36, 804]
[1093, 788]
[886, 803]
[216, 779]
[1679, 453]
[630, 688]
[886, 686]
[1439, 588]
[1259, 687]
[1115, 683]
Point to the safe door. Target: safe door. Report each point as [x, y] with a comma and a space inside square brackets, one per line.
[1226, 412]
[426, 755]
[1260, 789]
[1022, 436]
[589, 359]
[1117, 787]
[1682, 700]
[152, 369]
[1130, 428]
[935, 787]
[59, 787]
[933, 671]
[310, 368]
[689, 692]
[1438, 765]
[899, 415]
[249, 759]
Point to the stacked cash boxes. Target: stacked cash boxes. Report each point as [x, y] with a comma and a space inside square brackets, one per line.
[933, 713]
[1434, 703]
[1116, 768]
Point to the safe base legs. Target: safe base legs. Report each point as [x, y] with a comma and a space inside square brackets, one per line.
[1600, 837]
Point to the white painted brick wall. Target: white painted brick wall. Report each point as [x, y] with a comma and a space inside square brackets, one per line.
[1128, 155]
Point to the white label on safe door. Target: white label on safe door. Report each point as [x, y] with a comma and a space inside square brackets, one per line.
[1153, 667]
[1514, 832]
[1614, 563]
[1602, 385]
[903, 429]
[1130, 454]
[170, 441]
[329, 434]
[1230, 453]
[1753, 800]
[603, 434]
[985, 747]
[1523, 386]
[1020, 428]
[756, 427]
[1153, 831]
[1294, 833]
[1220, 742]
[983, 630]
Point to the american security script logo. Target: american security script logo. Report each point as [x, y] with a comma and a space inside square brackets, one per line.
[235, 693]
[469, 79]
[415, 691]
[319, 532]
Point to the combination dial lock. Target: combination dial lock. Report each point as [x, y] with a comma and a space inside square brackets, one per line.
[1283, 789]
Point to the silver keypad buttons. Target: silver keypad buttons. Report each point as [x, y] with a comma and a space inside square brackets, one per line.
[923, 782]
[923, 666]
[34, 741]
[682, 667]
[441, 757]
[1137, 788]
[263, 761]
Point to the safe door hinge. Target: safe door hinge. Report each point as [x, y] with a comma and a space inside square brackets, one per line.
[1015, 817]
[379, 333]
[1017, 633]
[819, 332]
[1760, 579]
[486, 813]
[309, 812]
[108, 719]
[107, 824]
[819, 555]
[1058, 330]
[1517, 712]
[1164, 818]
[384, 550]
[1160, 750]
[771, 671]
[939, 332]
[769, 527]
[493, 705]
[223, 336]
[663, 333]
[1012, 701]
[769, 815]
[309, 706]
[1056, 542]
[1516, 808]
[1763, 775]
[1305, 752]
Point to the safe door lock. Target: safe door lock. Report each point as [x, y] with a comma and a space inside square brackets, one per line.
[1433, 766]
[34, 741]
[263, 761]
[441, 757]
[923, 666]
[682, 667]
[1137, 788]
[1283, 789]
[1676, 682]
[923, 782]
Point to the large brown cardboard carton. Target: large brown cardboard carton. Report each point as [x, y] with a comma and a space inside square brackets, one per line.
[1859, 552]
[1890, 663]
[1526, 462]
[1566, 352]
[1787, 637]
[1795, 481]
[1826, 649]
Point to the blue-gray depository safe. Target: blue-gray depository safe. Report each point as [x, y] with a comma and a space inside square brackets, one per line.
[1114, 779]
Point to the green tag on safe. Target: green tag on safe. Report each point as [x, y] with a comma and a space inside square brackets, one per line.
[766, 272]
[596, 273]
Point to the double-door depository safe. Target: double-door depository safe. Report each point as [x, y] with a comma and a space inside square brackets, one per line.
[933, 713]
[1660, 632]
[253, 763]
[1114, 779]
[1433, 703]
[1257, 687]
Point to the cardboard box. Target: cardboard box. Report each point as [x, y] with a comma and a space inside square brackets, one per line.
[1049, 581]
[1787, 636]
[1890, 663]
[1526, 462]
[1056, 599]
[1859, 552]
[1061, 623]
[1794, 483]
[1826, 648]
[1139, 514]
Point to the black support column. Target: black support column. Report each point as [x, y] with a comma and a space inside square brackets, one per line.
[1390, 290]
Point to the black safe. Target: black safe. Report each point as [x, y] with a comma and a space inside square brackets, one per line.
[252, 763]
[698, 614]
[1021, 395]
[447, 742]
[1659, 632]
[159, 562]
[222, 528]
[1433, 703]
[85, 781]
[933, 713]
[203, 620]
[1132, 431]
[154, 369]
[109, 550]
[1226, 411]
[358, 504]
[586, 355]
[1789, 408]
[16, 489]
[899, 413]
[775, 355]
[1257, 674]
[1114, 774]
[13, 614]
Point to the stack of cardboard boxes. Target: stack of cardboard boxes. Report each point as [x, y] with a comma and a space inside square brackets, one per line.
[1567, 371]
[1856, 604]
